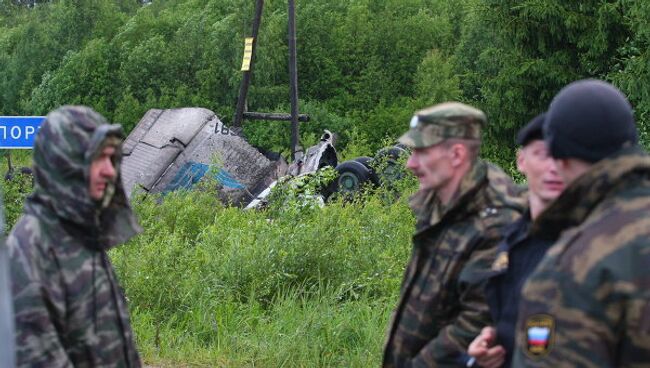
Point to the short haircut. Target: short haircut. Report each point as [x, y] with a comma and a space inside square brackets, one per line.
[473, 146]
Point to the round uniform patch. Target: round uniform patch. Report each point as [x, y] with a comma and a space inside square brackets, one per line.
[540, 333]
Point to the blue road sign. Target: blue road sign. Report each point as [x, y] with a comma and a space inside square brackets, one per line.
[18, 132]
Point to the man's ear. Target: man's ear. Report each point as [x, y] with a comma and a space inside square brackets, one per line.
[459, 154]
[521, 159]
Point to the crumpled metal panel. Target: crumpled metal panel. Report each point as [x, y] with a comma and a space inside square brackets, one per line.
[177, 148]
[318, 156]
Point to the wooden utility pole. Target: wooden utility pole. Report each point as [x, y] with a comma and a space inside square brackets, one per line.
[293, 78]
[295, 117]
[246, 79]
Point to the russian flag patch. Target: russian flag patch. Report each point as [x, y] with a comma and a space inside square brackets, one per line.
[540, 332]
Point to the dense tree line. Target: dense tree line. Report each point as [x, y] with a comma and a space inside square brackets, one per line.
[364, 65]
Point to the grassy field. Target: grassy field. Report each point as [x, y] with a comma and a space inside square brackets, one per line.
[294, 286]
[14, 191]
[210, 285]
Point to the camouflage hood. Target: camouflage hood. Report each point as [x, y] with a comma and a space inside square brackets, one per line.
[66, 144]
[578, 200]
[502, 192]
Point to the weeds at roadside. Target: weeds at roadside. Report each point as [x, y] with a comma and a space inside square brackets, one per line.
[214, 284]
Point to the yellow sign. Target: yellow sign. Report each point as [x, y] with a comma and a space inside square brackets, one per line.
[248, 53]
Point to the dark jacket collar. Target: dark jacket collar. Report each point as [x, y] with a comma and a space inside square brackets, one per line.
[517, 231]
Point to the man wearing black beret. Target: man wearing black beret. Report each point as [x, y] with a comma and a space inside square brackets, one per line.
[519, 251]
[587, 304]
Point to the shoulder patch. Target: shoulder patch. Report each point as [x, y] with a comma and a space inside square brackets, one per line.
[489, 211]
[540, 335]
[501, 262]
[493, 219]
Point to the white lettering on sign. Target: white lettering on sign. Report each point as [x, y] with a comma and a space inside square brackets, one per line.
[17, 132]
[29, 131]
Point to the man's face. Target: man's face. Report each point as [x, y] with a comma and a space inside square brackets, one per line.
[432, 166]
[102, 172]
[536, 163]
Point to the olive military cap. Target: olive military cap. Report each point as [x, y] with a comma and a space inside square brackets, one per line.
[443, 121]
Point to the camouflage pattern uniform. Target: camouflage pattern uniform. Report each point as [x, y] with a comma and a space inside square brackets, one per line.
[7, 357]
[588, 302]
[442, 306]
[70, 310]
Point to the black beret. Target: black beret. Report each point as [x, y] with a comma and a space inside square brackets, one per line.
[589, 120]
[531, 131]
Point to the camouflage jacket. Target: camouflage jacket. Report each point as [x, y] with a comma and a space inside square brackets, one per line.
[70, 311]
[442, 306]
[588, 302]
[6, 306]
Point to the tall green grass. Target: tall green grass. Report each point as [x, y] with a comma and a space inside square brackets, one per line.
[14, 191]
[293, 286]
[210, 285]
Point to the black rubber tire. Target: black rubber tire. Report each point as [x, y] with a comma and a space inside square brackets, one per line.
[352, 176]
[367, 162]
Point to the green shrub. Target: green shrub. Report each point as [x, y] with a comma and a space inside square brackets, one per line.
[14, 185]
[217, 278]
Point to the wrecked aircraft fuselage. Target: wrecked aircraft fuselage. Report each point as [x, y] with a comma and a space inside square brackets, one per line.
[176, 148]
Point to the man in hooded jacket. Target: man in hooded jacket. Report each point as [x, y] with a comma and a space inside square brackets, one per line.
[69, 308]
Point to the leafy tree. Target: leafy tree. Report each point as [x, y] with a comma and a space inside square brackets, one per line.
[436, 80]
[631, 70]
[86, 77]
[37, 46]
[363, 64]
[540, 46]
